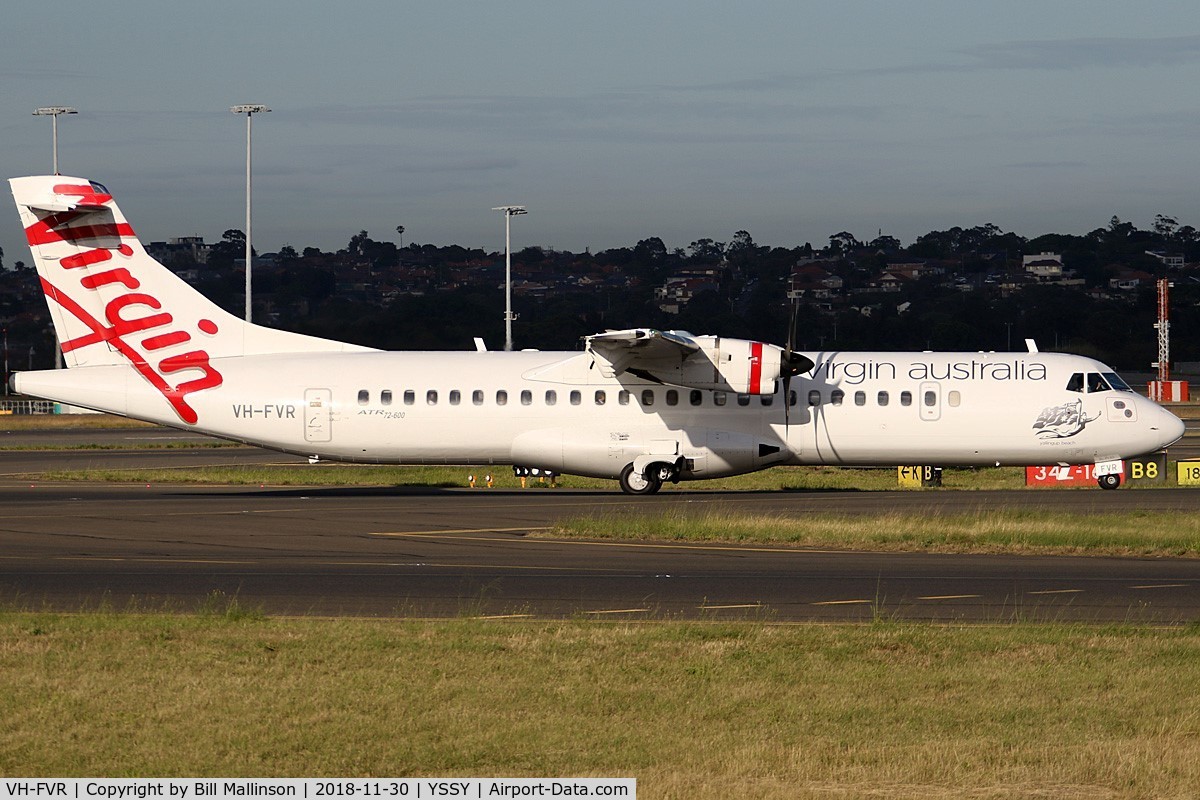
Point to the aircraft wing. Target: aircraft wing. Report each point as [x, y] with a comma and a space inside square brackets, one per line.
[639, 348]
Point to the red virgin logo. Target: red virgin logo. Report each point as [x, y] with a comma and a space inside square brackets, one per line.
[131, 314]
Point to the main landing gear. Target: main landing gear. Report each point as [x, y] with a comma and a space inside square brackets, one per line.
[649, 480]
[1109, 481]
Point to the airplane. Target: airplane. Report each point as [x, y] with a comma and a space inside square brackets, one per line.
[642, 406]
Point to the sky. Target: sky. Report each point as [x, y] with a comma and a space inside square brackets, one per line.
[611, 121]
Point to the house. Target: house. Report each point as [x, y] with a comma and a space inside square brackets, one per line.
[1169, 260]
[1044, 266]
[1130, 280]
[813, 280]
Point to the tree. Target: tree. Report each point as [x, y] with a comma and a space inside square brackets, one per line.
[359, 243]
[1165, 226]
[706, 250]
[843, 242]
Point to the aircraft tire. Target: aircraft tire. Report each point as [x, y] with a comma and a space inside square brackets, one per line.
[1109, 481]
[633, 482]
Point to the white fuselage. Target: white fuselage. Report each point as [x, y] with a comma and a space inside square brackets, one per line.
[555, 410]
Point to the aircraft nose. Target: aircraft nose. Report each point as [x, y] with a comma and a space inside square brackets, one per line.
[1170, 427]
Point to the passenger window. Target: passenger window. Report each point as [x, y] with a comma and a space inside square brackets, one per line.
[695, 397]
[719, 398]
[551, 397]
[364, 397]
[526, 397]
[501, 397]
[814, 397]
[385, 397]
[860, 398]
[906, 398]
[1096, 382]
[837, 396]
[954, 398]
[477, 397]
[882, 398]
[743, 399]
[931, 398]
[623, 397]
[431, 397]
[1075, 384]
[410, 397]
[672, 397]
[601, 397]
[647, 397]
[576, 397]
[455, 397]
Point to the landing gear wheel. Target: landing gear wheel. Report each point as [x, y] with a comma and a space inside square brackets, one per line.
[1109, 481]
[634, 482]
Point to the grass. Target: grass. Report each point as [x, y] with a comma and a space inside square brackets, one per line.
[56, 422]
[691, 710]
[1134, 533]
[776, 479]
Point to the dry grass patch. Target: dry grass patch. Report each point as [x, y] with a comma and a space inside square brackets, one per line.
[691, 710]
[1008, 531]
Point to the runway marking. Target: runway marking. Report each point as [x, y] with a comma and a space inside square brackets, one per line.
[1163, 586]
[841, 602]
[1057, 591]
[948, 596]
[720, 608]
[463, 530]
[621, 611]
[641, 545]
[152, 560]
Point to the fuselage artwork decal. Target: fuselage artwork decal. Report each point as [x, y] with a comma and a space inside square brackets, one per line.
[1061, 422]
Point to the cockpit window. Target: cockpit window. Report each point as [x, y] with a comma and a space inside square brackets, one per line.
[1116, 382]
[1076, 383]
[1096, 383]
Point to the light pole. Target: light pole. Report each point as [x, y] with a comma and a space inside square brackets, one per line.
[249, 109]
[53, 112]
[6, 362]
[509, 213]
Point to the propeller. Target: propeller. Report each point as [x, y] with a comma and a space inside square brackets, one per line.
[791, 364]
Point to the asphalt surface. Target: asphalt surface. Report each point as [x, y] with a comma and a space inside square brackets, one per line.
[391, 552]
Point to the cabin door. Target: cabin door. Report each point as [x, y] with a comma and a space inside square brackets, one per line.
[318, 415]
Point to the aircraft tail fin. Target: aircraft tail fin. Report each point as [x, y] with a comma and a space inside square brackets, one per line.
[112, 303]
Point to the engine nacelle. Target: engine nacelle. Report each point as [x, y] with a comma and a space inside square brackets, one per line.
[728, 365]
[697, 362]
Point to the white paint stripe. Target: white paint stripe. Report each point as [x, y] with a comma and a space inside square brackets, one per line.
[620, 611]
[462, 530]
[1057, 591]
[742, 605]
[840, 602]
[1162, 586]
[949, 597]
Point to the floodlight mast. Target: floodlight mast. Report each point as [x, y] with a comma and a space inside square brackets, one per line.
[53, 112]
[249, 109]
[509, 213]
